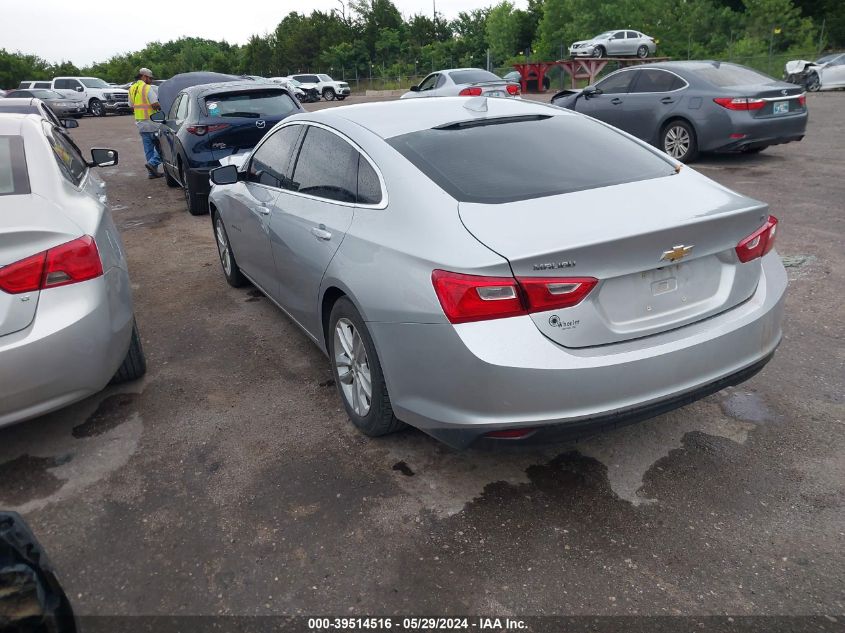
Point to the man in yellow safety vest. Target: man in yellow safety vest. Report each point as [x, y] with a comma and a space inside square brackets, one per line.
[143, 95]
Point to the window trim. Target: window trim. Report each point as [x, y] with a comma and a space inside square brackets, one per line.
[248, 163]
[384, 196]
[64, 174]
[631, 69]
[664, 92]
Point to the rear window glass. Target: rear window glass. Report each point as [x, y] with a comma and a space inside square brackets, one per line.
[517, 158]
[255, 104]
[472, 76]
[14, 179]
[728, 75]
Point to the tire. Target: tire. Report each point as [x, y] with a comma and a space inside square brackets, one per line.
[599, 51]
[96, 108]
[373, 419]
[678, 140]
[813, 82]
[642, 51]
[135, 364]
[329, 94]
[231, 270]
[192, 200]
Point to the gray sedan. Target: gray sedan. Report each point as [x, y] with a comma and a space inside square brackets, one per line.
[689, 107]
[61, 105]
[442, 260]
[66, 322]
[463, 82]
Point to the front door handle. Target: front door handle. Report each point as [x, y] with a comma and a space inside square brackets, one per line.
[263, 210]
[616, 101]
[667, 100]
[321, 233]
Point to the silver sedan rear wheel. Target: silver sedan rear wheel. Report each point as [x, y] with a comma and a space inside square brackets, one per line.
[642, 51]
[353, 367]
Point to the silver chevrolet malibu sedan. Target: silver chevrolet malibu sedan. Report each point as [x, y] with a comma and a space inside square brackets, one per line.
[67, 327]
[479, 269]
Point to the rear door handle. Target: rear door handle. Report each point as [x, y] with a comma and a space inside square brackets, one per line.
[263, 210]
[667, 100]
[321, 233]
[616, 101]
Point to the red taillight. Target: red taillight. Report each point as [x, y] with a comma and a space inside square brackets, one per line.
[554, 294]
[202, 130]
[513, 90]
[69, 263]
[740, 103]
[510, 434]
[467, 298]
[802, 101]
[470, 92]
[24, 275]
[759, 242]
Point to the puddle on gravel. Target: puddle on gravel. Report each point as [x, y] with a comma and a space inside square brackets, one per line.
[28, 477]
[746, 406]
[445, 481]
[110, 413]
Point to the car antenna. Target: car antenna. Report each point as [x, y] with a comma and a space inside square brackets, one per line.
[476, 104]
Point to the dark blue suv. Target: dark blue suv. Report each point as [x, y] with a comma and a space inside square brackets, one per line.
[211, 121]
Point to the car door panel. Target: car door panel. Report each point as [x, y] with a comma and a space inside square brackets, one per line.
[252, 207]
[654, 94]
[310, 220]
[609, 105]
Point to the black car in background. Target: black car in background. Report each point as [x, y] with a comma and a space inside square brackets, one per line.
[211, 121]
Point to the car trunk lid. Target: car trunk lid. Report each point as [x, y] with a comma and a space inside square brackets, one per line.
[627, 237]
[28, 226]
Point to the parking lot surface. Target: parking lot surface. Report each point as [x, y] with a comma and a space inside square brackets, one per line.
[229, 481]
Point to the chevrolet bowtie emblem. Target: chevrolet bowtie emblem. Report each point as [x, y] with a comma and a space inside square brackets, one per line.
[678, 252]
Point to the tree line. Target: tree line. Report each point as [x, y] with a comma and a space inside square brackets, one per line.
[371, 38]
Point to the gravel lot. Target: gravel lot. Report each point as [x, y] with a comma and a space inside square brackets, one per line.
[229, 480]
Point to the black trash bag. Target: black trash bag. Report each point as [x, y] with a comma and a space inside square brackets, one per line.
[31, 598]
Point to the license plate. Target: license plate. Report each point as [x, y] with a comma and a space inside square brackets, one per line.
[781, 107]
[495, 93]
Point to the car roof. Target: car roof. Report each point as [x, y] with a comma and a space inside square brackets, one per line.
[392, 118]
[231, 86]
[12, 122]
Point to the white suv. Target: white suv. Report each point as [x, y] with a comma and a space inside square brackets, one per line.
[98, 96]
[325, 85]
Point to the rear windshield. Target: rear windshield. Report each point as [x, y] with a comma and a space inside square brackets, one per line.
[517, 158]
[472, 76]
[14, 179]
[255, 104]
[725, 75]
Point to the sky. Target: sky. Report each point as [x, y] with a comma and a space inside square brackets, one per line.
[85, 31]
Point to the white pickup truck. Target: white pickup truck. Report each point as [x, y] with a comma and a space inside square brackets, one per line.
[99, 97]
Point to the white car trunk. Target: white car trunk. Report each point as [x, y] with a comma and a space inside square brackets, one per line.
[620, 235]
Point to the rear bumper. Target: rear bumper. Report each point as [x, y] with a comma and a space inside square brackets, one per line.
[459, 382]
[761, 133]
[71, 350]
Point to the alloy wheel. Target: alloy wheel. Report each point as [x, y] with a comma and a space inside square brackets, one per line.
[642, 51]
[676, 141]
[223, 247]
[813, 82]
[353, 367]
[598, 51]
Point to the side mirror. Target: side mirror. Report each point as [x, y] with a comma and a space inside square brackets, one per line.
[80, 89]
[226, 175]
[591, 91]
[158, 117]
[69, 124]
[415, 88]
[103, 157]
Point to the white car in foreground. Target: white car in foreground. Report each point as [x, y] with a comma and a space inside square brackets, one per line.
[67, 326]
